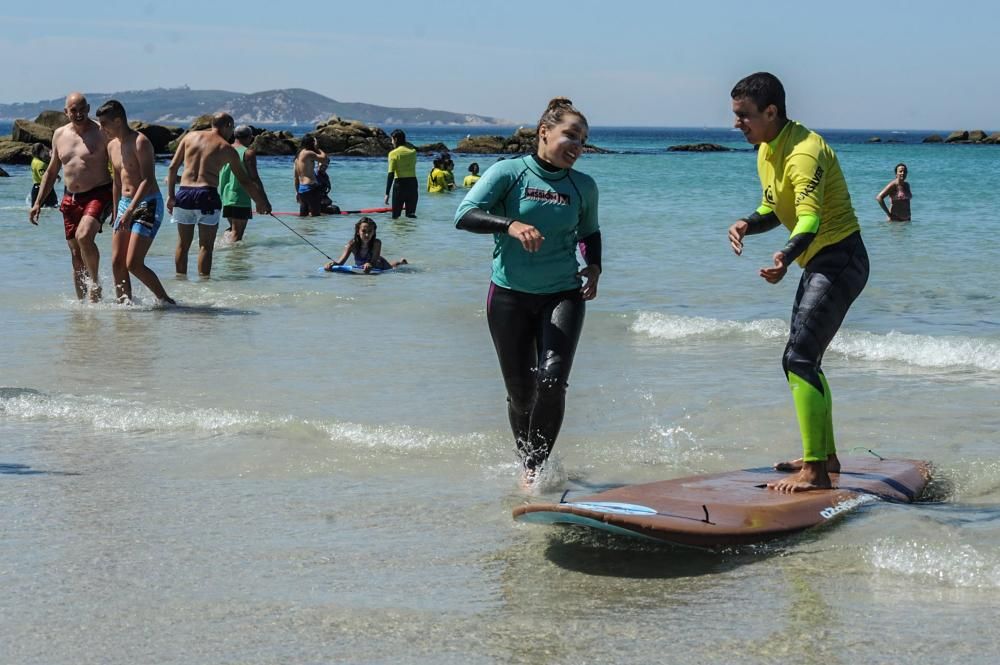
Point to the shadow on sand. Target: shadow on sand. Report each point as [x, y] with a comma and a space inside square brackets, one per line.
[25, 470]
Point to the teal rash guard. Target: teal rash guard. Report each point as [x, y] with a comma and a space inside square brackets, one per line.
[561, 204]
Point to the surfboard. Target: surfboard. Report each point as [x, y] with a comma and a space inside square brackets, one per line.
[362, 211]
[352, 270]
[733, 508]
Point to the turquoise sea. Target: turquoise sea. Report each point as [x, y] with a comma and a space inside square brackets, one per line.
[303, 467]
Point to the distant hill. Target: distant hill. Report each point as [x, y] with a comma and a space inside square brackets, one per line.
[288, 107]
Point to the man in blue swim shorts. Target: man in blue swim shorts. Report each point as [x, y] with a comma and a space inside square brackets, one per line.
[139, 204]
[196, 202]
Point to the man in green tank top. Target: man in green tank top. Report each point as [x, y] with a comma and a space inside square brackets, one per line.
[236, 204]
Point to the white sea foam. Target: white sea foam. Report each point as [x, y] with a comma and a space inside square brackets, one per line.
[116, 415]
[917, 350]
[952, 564]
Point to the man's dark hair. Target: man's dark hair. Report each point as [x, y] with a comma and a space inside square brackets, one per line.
[111, 109]
[309, 142]
[763, 89]
[399, 136]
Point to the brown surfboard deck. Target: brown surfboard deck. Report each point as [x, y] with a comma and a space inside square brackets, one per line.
[733, 508]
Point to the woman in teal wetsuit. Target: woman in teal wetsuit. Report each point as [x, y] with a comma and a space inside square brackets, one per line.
[539, 211]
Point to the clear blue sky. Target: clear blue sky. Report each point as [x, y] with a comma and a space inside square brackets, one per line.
[854, 64]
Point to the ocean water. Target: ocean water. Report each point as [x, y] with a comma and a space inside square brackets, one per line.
[302, 467]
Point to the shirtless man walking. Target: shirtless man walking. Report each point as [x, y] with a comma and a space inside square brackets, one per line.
[196, 201]
[82, 149]
[138, 203]
[308, 190]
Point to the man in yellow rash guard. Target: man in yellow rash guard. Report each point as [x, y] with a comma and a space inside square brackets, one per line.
[402, 170]
[804, 190]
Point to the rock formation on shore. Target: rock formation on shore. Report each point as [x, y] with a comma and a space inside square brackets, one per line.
[699, 147]
[352, 138]
[965, 136]
[522, 141]
[26, 133]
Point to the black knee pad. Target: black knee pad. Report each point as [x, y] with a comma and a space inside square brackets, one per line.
[802, 366]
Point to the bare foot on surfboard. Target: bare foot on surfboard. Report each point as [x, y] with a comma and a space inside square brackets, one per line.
[812, 476]
[832, 465]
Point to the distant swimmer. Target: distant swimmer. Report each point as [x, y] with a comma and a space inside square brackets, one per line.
[326, 204]
[138, 209]
[196, 202]
[308, 190]
[402, 177]
[473, 176]
[898, 191]
[449, 171]
[437, 180]
[366, 248]
[803, 189]
[82, 149]
[40, 158]
[539, 210]
[235, 200]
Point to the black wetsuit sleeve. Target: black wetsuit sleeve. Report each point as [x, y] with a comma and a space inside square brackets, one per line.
[796, 245]
[590, 248]
[388, 182]
[758, 223]
[478, 220]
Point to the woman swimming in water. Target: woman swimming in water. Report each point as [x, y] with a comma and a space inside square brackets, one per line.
[898, 191]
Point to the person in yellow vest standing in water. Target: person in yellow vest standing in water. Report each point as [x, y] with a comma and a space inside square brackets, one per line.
[40, 158]
[804, 190]
[402, 179]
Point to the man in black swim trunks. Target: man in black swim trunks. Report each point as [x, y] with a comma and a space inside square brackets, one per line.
[203, 154]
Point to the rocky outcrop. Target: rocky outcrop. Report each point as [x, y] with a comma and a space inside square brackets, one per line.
[160, 136]
[488, 145]
[963, 136]
[26, 131]
[875, 139]
[432, 148]
[522, 141]
[52, 119]
[699, 147]
[352, 138]
[200, 123]
[275, 143]
[14, 152]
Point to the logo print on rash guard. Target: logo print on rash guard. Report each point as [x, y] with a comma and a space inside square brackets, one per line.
[548, 196]
[769, 195]
[811, 187]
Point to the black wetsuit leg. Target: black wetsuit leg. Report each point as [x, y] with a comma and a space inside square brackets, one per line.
[830, 283]
[535, 336]
[397, 199]
[50, 201]
[404, 195]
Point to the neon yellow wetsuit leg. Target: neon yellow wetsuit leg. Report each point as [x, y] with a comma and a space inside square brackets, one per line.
[821, 304]
[813, 414]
